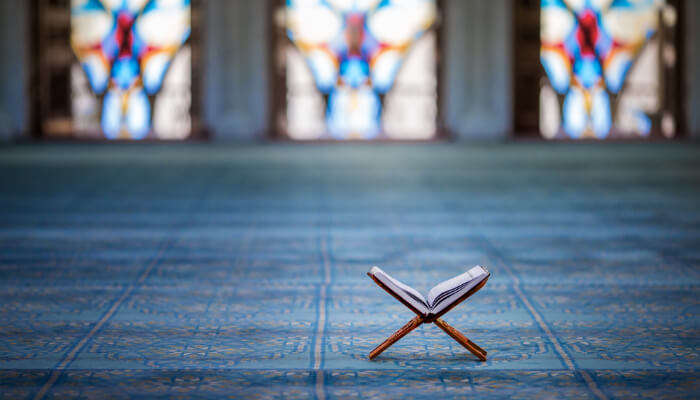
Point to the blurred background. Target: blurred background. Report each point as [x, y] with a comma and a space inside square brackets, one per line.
[163, 233]
[344, 70]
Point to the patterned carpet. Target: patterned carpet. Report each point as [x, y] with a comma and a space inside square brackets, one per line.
[200, 271]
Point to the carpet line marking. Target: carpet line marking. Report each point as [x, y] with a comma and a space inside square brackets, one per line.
[70, 357]
[320, 329]
[543, 325]
[326, 261]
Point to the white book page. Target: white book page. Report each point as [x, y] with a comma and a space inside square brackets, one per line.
[445, 287]
[411, 295]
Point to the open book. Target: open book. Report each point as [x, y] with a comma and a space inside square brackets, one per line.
[439, 297]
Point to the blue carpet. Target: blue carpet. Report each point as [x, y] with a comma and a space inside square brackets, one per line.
[200, 271]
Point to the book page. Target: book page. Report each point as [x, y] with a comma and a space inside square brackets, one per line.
[411, 295]
[455, 285]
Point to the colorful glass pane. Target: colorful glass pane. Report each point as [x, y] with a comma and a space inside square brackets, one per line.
[352, 54]
[601, 61]
[126, 49]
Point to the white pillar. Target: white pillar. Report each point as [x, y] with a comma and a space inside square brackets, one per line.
[477, 77]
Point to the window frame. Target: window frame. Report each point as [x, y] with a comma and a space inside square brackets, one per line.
[277, 88]
[524, 99]
[40, 27]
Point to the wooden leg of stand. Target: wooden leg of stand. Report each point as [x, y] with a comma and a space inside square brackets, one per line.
[470, 342]
[477, 347]
[411, 325]
[461, 339]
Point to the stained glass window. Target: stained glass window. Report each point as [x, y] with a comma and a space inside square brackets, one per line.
[359, 69]
[128, 69]
[609, 67]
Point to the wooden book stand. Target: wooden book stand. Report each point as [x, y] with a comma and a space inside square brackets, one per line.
[421, 319]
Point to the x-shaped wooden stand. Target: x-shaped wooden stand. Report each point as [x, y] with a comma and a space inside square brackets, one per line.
[422, 319]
